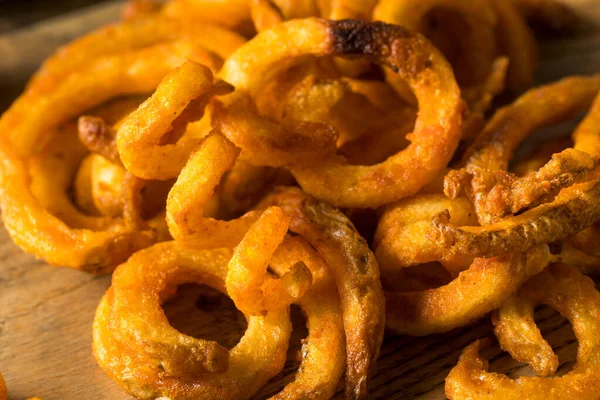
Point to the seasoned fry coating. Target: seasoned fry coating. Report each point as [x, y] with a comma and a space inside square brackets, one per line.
[575, 297]
[248, 285]
[150, 359]
[437, 129]
[495, 192]
[477, 291]
[572, 210]
[150, 141]
[356, 274]
[193, 190]
[323, 350]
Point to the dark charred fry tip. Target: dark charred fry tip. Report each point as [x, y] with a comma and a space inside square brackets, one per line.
[358, 37]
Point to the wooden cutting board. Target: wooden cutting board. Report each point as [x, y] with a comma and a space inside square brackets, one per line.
[46, 312]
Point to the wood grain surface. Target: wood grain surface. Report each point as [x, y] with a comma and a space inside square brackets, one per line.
[46, 312]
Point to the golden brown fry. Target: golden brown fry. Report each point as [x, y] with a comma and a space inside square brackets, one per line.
[124, 37]
[150, 141]
[401, 242]
[41, 218]
[323, 350]
[265, 142]
[134, 343]
[248, 283]
[474, 293]
[575, 297]
[572, 210]
[97, 189]
[100, 80]
[193, 189]
[485, 178]
[356, 274]
[518, 334]
[437, 129]
[401, 239]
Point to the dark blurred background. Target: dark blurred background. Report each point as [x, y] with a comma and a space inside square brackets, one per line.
[18, 13]
[31, 30]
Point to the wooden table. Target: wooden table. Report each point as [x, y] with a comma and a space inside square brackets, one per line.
[46, 312]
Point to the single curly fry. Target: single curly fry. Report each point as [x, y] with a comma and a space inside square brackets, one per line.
[135, 344]
[40, 216]
[437, 129]
[575, 297]
[247, 282]
[518, 334]
[356, 274]
[475, 292]
[179, 98]
[192, 191]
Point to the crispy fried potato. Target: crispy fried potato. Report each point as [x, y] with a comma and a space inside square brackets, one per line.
[572, 210]
[572, 295]
[437, 129]
[150, 359]
[356, 274]
[99, 80]
[192, 191]
[475, 292]
[323, 350]
[497, 193]
[402, 236]
[265, 142]
[247, 282]
[179, 99]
